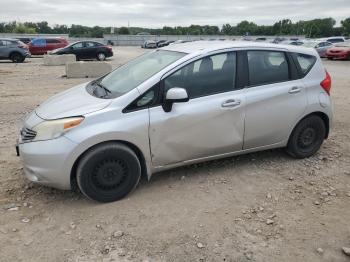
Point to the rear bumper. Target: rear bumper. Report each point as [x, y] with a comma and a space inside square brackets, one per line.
[337, 56]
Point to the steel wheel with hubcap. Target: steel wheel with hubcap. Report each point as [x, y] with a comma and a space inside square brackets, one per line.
[108, 172]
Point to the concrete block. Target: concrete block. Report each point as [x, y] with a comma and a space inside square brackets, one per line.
[54, 60]
[87, 69]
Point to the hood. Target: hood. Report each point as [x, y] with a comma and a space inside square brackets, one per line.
[57, 50]
[73, 102]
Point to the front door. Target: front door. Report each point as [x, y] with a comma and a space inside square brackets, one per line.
[210, 123]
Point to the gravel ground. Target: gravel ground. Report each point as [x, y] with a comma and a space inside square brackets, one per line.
[258, 207]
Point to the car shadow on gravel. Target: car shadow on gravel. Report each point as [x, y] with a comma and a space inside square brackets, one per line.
[194, 173]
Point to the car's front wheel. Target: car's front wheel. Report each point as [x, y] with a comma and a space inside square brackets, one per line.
[17, 58]
[108, 172]
[307, 137]
[101, 56]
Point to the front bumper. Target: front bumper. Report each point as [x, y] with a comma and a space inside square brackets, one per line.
[48, 162]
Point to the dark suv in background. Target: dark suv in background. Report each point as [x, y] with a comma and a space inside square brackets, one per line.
[13, 49]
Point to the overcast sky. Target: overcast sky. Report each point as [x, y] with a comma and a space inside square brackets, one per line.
[157, 13]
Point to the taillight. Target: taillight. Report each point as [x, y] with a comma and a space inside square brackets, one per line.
[327, 83]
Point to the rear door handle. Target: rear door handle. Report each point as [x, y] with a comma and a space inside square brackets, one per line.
[231, 103]
[294, 90]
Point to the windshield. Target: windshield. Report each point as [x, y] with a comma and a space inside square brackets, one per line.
[132, 74]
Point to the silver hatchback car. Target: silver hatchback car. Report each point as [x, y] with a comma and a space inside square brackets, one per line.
[175, 106]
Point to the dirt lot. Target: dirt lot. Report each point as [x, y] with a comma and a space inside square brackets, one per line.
[257, 207]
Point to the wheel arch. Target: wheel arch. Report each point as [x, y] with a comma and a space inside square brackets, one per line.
[15, 52]
[144, 170]
[320, 114]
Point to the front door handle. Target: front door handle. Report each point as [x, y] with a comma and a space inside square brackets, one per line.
[294, 90]
[231, 103]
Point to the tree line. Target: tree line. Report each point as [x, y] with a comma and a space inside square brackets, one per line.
[311, 28]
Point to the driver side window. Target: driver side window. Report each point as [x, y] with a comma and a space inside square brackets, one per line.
[209, 75]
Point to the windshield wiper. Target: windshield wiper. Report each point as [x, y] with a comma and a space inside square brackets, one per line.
[102, 86]
[97, 84]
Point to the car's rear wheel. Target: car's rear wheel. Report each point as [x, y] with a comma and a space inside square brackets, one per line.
[307, 137]
[108, 172]
[17, 58]
[101, 56]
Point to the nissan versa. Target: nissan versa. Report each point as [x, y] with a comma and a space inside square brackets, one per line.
[181, 104]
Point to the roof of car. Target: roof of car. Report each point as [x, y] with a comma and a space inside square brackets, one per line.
[203, 47]
[9, 39]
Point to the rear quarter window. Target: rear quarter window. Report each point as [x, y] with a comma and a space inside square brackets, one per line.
[305, 62]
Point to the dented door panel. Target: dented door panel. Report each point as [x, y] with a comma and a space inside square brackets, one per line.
[199, 128]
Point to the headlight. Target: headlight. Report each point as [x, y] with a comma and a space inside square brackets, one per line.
[55, 128]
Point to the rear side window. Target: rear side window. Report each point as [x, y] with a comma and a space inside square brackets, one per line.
[267, 67]
[305, 62]
[90, 44]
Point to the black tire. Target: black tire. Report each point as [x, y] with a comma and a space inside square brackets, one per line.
[17, 58]
[307, 137]
[108, 172]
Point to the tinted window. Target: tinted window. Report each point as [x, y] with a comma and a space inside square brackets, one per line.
[305, 62]
[77, 45]
[335, 40]
[210, 75]
[39, 42]
[266, 67]
[90, 44]
[52, 41]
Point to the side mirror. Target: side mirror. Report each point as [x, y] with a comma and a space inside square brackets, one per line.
[174, 95]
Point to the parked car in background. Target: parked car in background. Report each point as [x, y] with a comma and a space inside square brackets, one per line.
[166, 43]
[40, 46]
[185, 41]
[320, 46]
[25, 40]
[339, 51]
[277, 40]
[261, 39]
[178, 105]
[291, 42]
[149, 44]
[86, 50]
[160, 42]
[13, 49]
[336, 39]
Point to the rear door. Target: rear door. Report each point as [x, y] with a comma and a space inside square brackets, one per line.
[275, 98]
[3, 49]
[210, 123]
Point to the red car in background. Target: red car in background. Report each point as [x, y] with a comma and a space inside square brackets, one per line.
[40, 46]
[339, 51]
